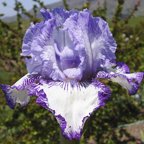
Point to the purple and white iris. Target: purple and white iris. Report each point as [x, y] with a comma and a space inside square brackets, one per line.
[66, 54]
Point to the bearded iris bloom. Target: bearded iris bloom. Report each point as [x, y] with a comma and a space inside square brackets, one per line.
[66, 54]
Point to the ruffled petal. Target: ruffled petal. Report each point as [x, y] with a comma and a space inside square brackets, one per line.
[67, 42]
[32, 59]
[100, 44]
[18, 93]
[92, 37]
[72, 103]
[39, 51]
[69, 55]
[122, 76]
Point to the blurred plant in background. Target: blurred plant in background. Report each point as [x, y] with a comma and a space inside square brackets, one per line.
[34, 125]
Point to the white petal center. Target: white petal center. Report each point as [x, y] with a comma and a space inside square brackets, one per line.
[72, 103]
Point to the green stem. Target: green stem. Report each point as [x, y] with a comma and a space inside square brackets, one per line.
[63, 140]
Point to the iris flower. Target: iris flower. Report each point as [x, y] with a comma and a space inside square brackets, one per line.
[66, 54]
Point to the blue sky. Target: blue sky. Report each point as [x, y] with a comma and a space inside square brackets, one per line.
[8, 10]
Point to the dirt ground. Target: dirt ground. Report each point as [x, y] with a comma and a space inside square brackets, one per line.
[136, 130]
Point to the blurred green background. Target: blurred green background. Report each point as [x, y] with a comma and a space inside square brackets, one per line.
[121, 121]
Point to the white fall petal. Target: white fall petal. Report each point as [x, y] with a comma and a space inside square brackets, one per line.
[72, 104]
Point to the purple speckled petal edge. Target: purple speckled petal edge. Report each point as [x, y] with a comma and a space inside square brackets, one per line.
[10, 101]
[122, 75]
[19, 92]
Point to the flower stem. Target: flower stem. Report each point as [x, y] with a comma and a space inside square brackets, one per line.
[63, 140]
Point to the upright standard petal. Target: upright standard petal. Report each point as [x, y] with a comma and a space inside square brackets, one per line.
[93, 37]
[68, 45]
[72, 103]
[122, 76]
[18, 93]
[39, 50]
